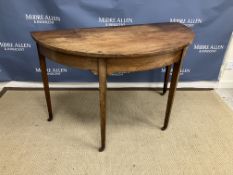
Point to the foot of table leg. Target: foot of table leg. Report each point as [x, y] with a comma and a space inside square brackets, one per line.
[101, 149]
[102, 99]
[166, 78]
[50, 118]
[175, 77]
[46, 85]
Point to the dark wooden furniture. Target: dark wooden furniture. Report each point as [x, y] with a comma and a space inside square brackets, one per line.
[116, 49]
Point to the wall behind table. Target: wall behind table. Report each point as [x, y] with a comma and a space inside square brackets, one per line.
[211, 20]
[226, 75]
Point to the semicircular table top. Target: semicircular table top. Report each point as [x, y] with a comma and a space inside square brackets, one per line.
[124, 41]
[108, 50]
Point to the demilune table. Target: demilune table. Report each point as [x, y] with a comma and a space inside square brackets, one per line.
[107, 50]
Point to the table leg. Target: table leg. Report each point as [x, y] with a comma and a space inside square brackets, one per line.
[46, 84]
[166, 78]
[175, 77]
[102, 98]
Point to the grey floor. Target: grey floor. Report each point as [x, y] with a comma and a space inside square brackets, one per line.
[226, 95]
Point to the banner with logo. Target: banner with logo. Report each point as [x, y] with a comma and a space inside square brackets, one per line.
[211, 20]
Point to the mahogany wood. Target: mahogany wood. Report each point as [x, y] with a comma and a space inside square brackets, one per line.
[102, 98]
[175, 78]
[112, 42]
[116, 49]
[46, 84]
[141, 63]
[166, 78]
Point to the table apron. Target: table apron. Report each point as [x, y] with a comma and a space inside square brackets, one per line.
[134, 64]
[114, 65]
[70, 60]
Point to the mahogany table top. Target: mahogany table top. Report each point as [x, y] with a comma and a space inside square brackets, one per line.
[124, 41]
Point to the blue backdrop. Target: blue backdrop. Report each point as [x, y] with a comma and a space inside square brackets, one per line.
[211, 20]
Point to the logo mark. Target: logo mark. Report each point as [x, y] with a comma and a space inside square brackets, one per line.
[182, 71]
[208, 48]
[16, 46]
[189, 22]
[115, 21]
[42, 19]
[53, 71]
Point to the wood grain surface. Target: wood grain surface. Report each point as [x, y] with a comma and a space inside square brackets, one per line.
[115, 49]
[124, 41]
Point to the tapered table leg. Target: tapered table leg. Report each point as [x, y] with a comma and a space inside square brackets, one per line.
[46, 84]
[102, 98]
[166, 78]
[175, 77]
